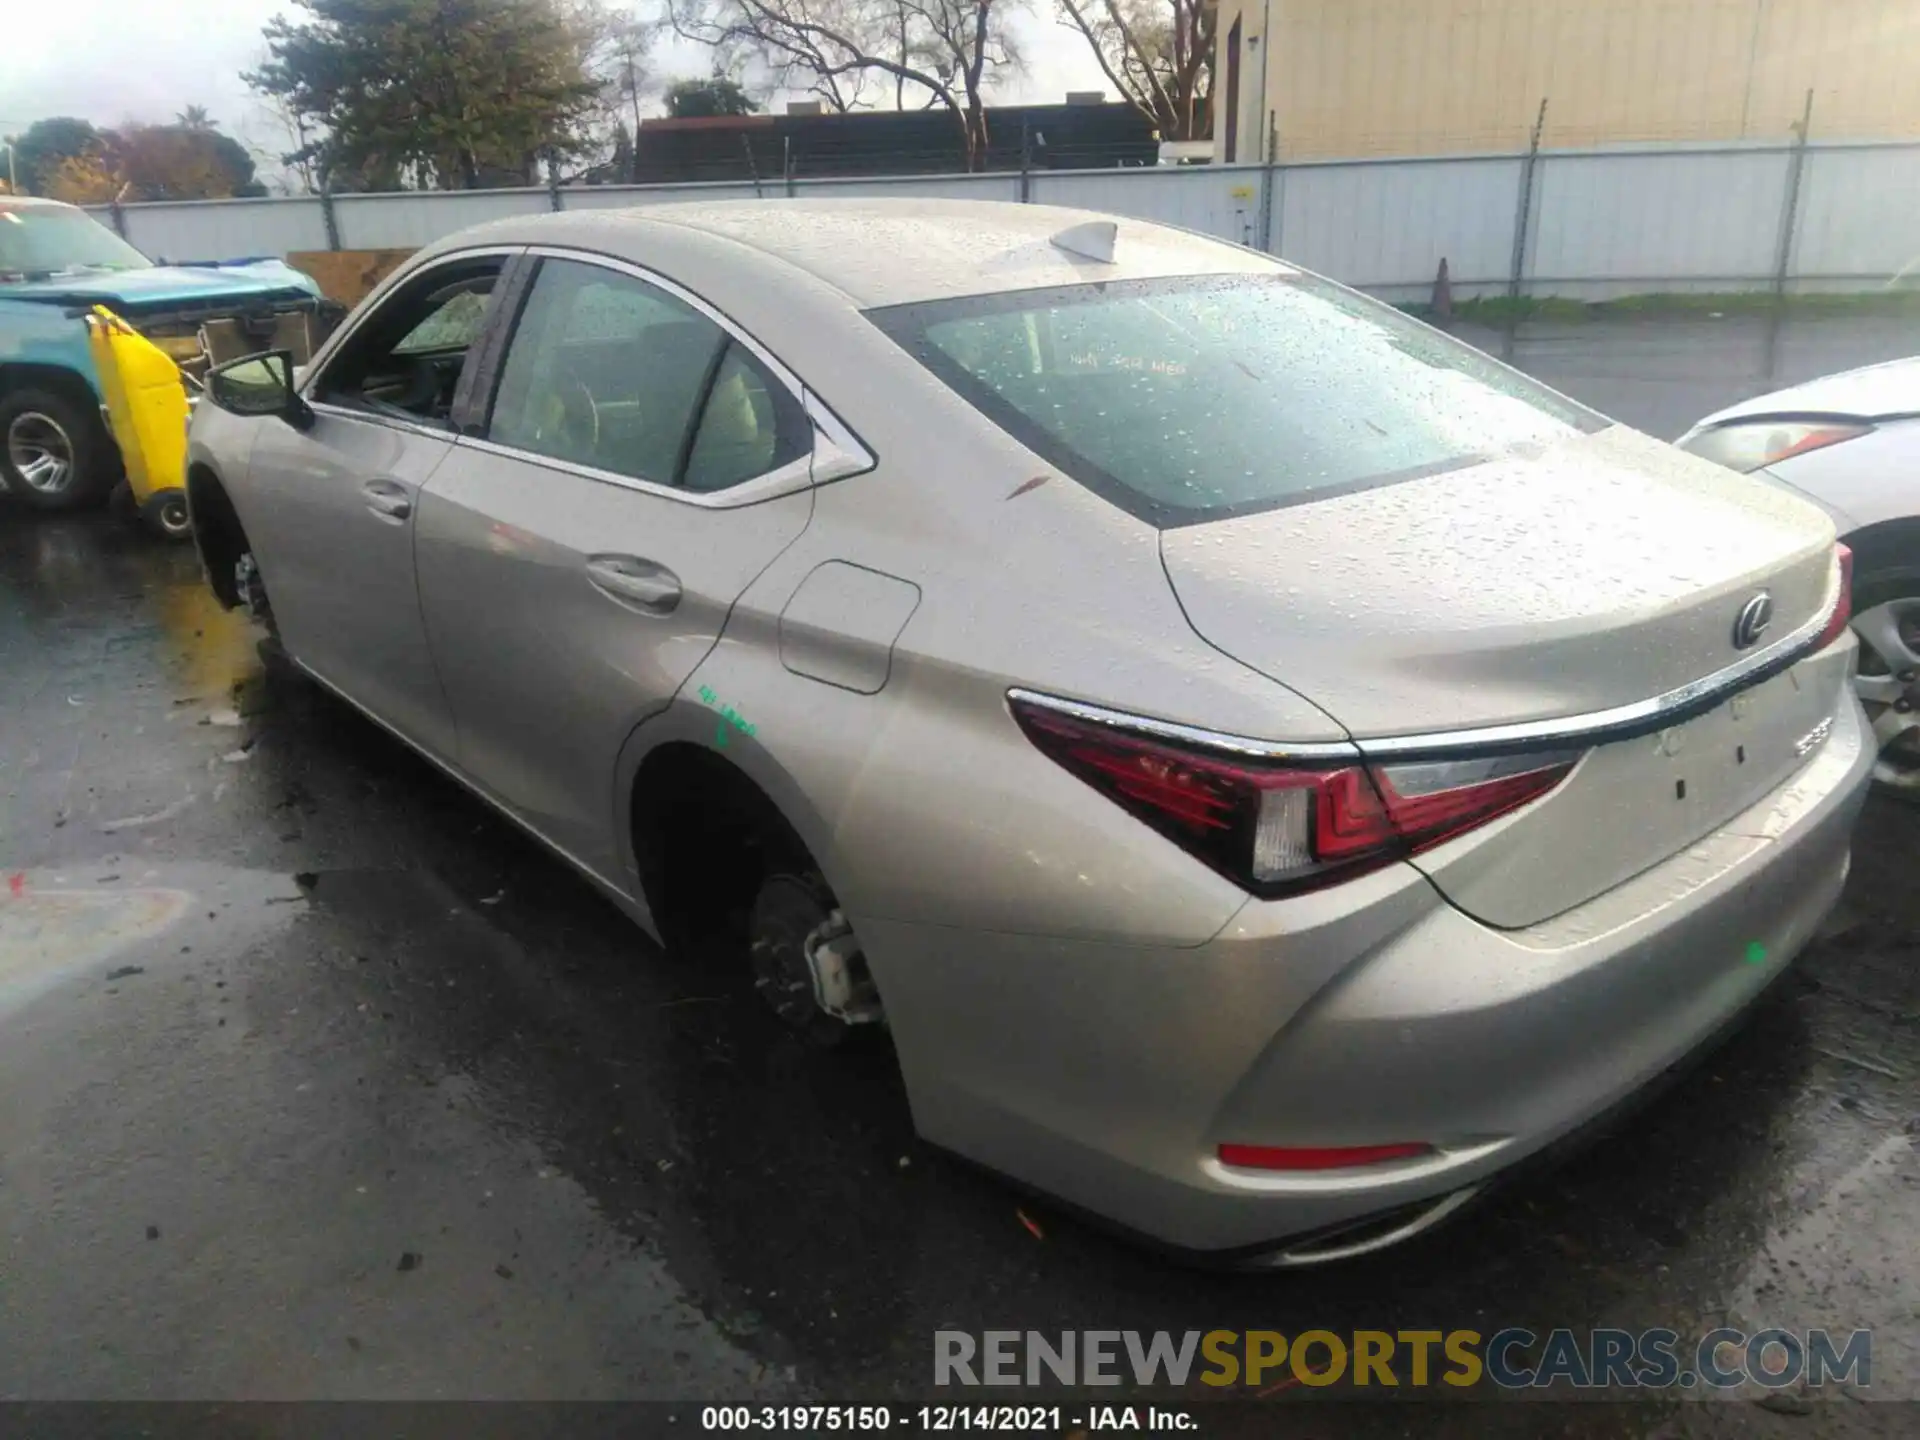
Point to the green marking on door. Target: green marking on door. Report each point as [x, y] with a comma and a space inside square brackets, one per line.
[1756, 953]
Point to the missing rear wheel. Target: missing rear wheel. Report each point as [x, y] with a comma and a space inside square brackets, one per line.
[807, 964]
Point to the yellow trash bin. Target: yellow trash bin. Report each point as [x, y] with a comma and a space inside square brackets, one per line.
[147, 411]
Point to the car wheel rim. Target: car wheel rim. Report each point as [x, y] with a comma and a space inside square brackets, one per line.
[40, 451]
[251, 589]
[1888, 682]
[173, 517]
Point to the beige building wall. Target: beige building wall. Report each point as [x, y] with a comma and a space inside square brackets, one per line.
[1429, 77]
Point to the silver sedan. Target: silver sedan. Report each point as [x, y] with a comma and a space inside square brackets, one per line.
[1269, 766]
[1851, 444]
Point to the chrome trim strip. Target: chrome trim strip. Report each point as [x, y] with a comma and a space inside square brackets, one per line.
[837, 452]
[817, 409]
[1304, 1254]
[784, 480]
[679, 292]
[1621, 722]
[1240, 745]
[844, 454]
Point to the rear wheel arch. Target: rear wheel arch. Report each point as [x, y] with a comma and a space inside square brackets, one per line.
[58, 379]
[1886, 575]
[728, 878]
[704, 832]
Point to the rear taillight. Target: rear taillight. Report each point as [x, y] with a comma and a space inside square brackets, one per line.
[1842, 615]
[1278, 828]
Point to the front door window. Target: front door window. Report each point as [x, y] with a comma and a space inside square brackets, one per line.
[405, 360]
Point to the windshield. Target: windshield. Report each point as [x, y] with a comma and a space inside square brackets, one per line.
[38, 240]
[1195, 399]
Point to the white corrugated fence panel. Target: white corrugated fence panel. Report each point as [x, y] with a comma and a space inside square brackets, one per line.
[1221, 200]
[929, 187]
[1638, 219]
[1687, 217]
[1859, 212]
[419, 217]
[628, 197]
[1389, 225]
[223, 229]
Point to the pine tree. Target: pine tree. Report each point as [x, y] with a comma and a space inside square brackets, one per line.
[450, 91]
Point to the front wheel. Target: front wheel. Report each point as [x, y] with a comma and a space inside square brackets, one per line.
[54, 452]
[1886, 620]
[251, 588]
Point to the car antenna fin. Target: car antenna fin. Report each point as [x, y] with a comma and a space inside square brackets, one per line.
[1092, 240]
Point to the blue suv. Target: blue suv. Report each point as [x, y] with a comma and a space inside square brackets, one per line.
[56, 263]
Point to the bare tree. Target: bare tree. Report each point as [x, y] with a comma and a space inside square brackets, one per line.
[621, 54]
[1158, 54]
[616, 49]
[287, 148]
[948, 50]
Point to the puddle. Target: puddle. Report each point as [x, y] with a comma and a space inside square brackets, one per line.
[45, 934]
[56, 925]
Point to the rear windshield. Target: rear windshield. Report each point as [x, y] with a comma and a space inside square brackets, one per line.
[1195, 399]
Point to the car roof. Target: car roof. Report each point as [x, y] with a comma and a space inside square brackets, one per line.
[32, 202]
[880, 251]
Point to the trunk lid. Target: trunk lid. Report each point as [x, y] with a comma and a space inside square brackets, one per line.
[1597, 572]
[1633, 803]
[1872, 392]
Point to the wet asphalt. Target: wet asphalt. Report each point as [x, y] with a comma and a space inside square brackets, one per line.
[319, 1081]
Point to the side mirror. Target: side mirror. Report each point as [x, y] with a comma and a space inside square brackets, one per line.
[256, 385]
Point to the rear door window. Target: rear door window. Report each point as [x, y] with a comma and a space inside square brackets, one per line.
[749, 425]
[607, 371]
[1195, 399]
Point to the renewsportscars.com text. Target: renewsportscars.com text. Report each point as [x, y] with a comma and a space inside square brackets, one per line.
[1513, 1358]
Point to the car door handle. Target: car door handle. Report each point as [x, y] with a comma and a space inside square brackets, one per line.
[628, 578]
[388, 499]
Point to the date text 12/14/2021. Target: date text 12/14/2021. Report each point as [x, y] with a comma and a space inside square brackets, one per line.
[941, 1419]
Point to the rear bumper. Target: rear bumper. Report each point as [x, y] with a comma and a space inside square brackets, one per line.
[1372, 1013]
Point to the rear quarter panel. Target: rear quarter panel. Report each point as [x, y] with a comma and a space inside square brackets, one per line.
[923, 800]
[1861, 482]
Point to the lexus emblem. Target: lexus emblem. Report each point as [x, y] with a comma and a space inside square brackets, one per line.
[1755, 616]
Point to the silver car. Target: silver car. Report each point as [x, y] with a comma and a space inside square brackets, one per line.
[1269, 766]
[1851, 444]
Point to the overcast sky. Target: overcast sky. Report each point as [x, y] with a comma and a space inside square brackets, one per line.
[114, 60]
